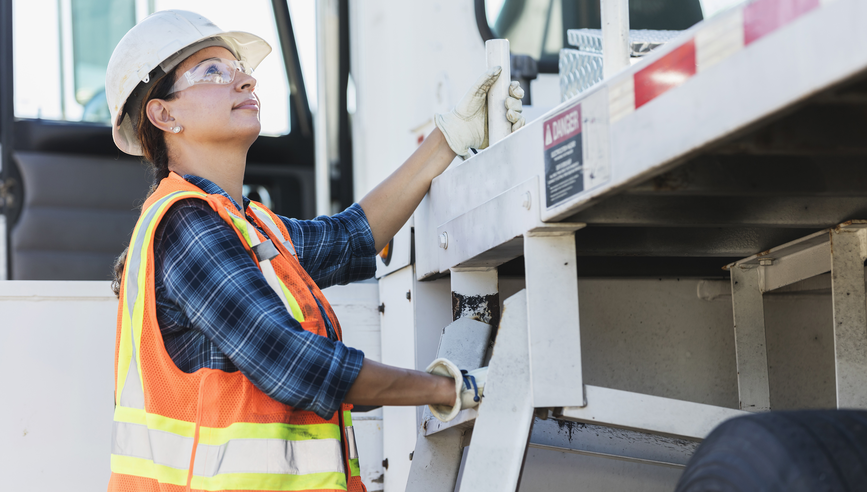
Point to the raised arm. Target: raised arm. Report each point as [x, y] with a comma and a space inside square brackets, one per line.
[389, 205]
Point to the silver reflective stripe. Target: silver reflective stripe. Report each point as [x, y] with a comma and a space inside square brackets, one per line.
[265, 265]
[236, 456]
[133, 393]
[350, 442]
[264, 217]
[131, 291]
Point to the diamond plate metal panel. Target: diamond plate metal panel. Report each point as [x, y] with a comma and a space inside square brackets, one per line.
[578, 71]
[582, 67]
[641, 41]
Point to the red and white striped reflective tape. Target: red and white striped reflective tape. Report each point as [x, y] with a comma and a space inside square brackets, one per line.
[719, 39]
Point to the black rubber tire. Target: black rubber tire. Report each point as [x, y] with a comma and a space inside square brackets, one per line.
[800, 451]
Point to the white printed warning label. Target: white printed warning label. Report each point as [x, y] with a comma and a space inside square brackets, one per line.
[564, 167]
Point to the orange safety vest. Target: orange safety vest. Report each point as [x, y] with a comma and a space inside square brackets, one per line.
[213, 430]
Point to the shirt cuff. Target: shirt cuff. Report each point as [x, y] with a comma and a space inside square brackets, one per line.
[360, 234]
[345, 365]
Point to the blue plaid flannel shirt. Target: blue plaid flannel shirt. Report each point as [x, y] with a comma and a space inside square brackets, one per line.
[215, 309]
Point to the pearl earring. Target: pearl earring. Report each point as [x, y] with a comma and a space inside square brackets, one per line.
[177, 129]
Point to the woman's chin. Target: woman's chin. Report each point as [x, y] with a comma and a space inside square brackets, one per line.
[248, 129]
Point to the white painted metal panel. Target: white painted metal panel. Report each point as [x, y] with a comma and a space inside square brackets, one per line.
[57, 350]
[356, 306]
[57, 338]
[398, 338]
[558, 471]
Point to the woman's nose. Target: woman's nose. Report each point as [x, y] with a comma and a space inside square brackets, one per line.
[244, 81]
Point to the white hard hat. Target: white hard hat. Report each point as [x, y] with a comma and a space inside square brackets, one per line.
[154, 47]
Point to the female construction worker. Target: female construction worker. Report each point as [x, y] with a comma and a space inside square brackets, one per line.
[230, 373]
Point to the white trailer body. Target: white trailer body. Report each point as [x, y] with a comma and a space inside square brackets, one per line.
[754, 148]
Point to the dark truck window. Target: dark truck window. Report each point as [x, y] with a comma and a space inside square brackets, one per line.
[538, 27]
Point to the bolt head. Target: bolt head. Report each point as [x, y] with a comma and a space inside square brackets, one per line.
[528, 200]
[444, 240]
[766, 261]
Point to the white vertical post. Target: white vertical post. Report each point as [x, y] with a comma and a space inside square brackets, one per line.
[325, 117]
[502, 429]
[750, 346]
[615, 36]
[497, 51]
[850, 316]
[554, 328]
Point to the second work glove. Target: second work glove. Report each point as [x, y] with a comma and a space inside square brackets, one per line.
[469, 388]
[466, 126]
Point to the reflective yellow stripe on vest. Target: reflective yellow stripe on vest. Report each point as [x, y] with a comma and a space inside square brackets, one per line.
[243, 456]
[350, 444]
[128, 392]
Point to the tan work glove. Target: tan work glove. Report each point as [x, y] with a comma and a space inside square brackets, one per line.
[466, 126]
[469, 388]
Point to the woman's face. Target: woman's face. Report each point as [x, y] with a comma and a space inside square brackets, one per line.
[216, 112]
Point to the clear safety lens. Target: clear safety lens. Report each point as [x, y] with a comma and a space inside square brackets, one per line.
[211, 71]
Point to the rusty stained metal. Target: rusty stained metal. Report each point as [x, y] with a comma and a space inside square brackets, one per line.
[484, 308]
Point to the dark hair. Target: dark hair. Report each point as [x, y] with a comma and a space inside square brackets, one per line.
[153, 142]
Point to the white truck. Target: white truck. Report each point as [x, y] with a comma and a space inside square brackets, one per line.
[678, 244]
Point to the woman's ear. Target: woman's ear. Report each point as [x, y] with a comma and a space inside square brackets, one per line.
[158, 113]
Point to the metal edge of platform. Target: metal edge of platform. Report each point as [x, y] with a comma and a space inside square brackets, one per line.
[637, 152]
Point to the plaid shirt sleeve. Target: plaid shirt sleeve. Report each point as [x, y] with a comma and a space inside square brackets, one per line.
[216, 310]
[335, 250]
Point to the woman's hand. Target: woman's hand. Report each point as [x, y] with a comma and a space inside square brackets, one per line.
[378, 384]
[392, 202]
[466, 126]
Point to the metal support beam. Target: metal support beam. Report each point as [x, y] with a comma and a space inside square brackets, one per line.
[750, 344]
[648, 413]
[7, 117]
[615, 36]
[502, 429]
[326, 122]
[850, 316]
[554, 328]
[292, 63]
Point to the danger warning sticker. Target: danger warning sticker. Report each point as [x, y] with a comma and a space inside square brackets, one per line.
[564, 166]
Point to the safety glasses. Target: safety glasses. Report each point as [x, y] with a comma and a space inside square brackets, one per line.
[211, 71]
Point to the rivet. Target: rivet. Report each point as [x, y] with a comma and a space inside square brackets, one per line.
[766, 261]
[444, 240]
[528, 200]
